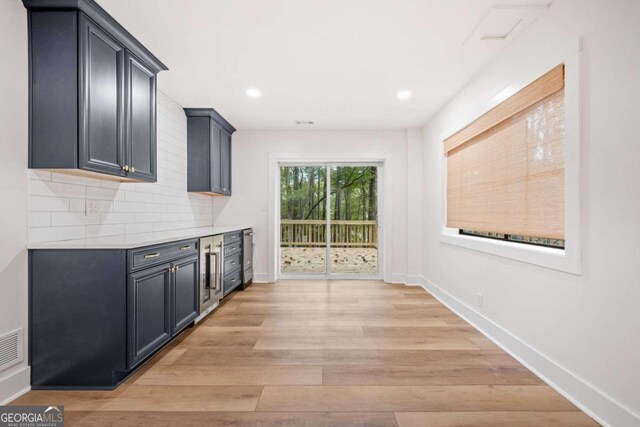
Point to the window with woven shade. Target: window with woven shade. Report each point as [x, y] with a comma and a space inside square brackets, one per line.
[505, 171]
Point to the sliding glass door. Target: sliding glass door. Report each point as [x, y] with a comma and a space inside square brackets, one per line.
[303, 215]
[329, 220]
[353, 220]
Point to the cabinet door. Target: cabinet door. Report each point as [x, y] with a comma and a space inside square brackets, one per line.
[225, 161]
[216, 159]
[101, 143]
[149, 312]
[140, 123]
[185, 293]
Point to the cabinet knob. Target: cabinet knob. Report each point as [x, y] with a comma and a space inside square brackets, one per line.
[125, 168]
[176, 268]
[133, 169]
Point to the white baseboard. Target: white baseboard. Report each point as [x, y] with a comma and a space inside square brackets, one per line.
[15, 385]
[261, 278]
[585, 396]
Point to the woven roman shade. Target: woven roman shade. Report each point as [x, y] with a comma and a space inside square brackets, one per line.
[505, 171]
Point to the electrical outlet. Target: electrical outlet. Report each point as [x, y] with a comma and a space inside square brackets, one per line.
[479, 300]
[91, 207]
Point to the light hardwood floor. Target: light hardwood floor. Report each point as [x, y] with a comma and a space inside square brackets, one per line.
[325, 353]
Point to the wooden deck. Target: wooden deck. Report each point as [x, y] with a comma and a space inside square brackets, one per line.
[325, 353]
[300, 260]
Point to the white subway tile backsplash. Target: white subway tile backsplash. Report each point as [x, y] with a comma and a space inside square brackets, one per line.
[128, 207]
[57, 201]
[104, 230]
[118, 217]
[49, 234]
[39, 219]
[144, 227]
[73, 218]
[77, 205]
[39, 175]
[75, 179]
[99, 193]
[48, 204]
[55, 189]
[133, 196]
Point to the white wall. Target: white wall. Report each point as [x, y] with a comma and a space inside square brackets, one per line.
[13, 185]
[249, 204]
[581, 332]
[57, 201]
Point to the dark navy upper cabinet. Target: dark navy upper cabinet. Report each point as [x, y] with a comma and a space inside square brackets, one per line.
[101, 82]
[185, 293]
[150, 324]
[208, 151]
[140, 119]
[92, 92]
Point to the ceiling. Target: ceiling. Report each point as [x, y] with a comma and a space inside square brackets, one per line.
[338, 63]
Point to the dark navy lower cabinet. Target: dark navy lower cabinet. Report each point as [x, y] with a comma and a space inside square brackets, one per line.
[77, 318]
[185, 293]
[96, 315]
[149, 312]
[233, 261]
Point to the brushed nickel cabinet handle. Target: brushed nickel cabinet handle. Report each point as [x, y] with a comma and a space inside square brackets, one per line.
[184, 248]
[233, 262]
[153, 255]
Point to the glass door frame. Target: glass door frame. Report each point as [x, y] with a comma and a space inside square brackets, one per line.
[379, 229]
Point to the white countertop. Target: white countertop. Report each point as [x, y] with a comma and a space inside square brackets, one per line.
[132, 241]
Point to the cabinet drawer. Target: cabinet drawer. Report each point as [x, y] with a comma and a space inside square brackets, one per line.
[154, 255]
[232, 263]
[235, 237]
[232, 249]
[232, 281]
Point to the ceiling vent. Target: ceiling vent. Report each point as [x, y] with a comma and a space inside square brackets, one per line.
[503, 22]
[11, 349]
[303, 122]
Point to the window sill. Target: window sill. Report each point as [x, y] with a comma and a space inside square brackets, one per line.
[557, 259]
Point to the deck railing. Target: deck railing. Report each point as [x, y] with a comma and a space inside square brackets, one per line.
[308, 233]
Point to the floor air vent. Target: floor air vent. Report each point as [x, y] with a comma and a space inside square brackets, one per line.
[11, 349]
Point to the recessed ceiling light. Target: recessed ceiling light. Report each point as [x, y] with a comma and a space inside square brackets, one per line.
[304, 122]
[254, 93]
[404, 94]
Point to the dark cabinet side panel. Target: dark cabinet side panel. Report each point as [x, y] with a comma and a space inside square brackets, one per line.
[140, 83]
[102, 147]
[53, 90]
[216, 158]
[185, 293]
[77, 318]
[149, 312]
[198, 154]
[225, 161]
